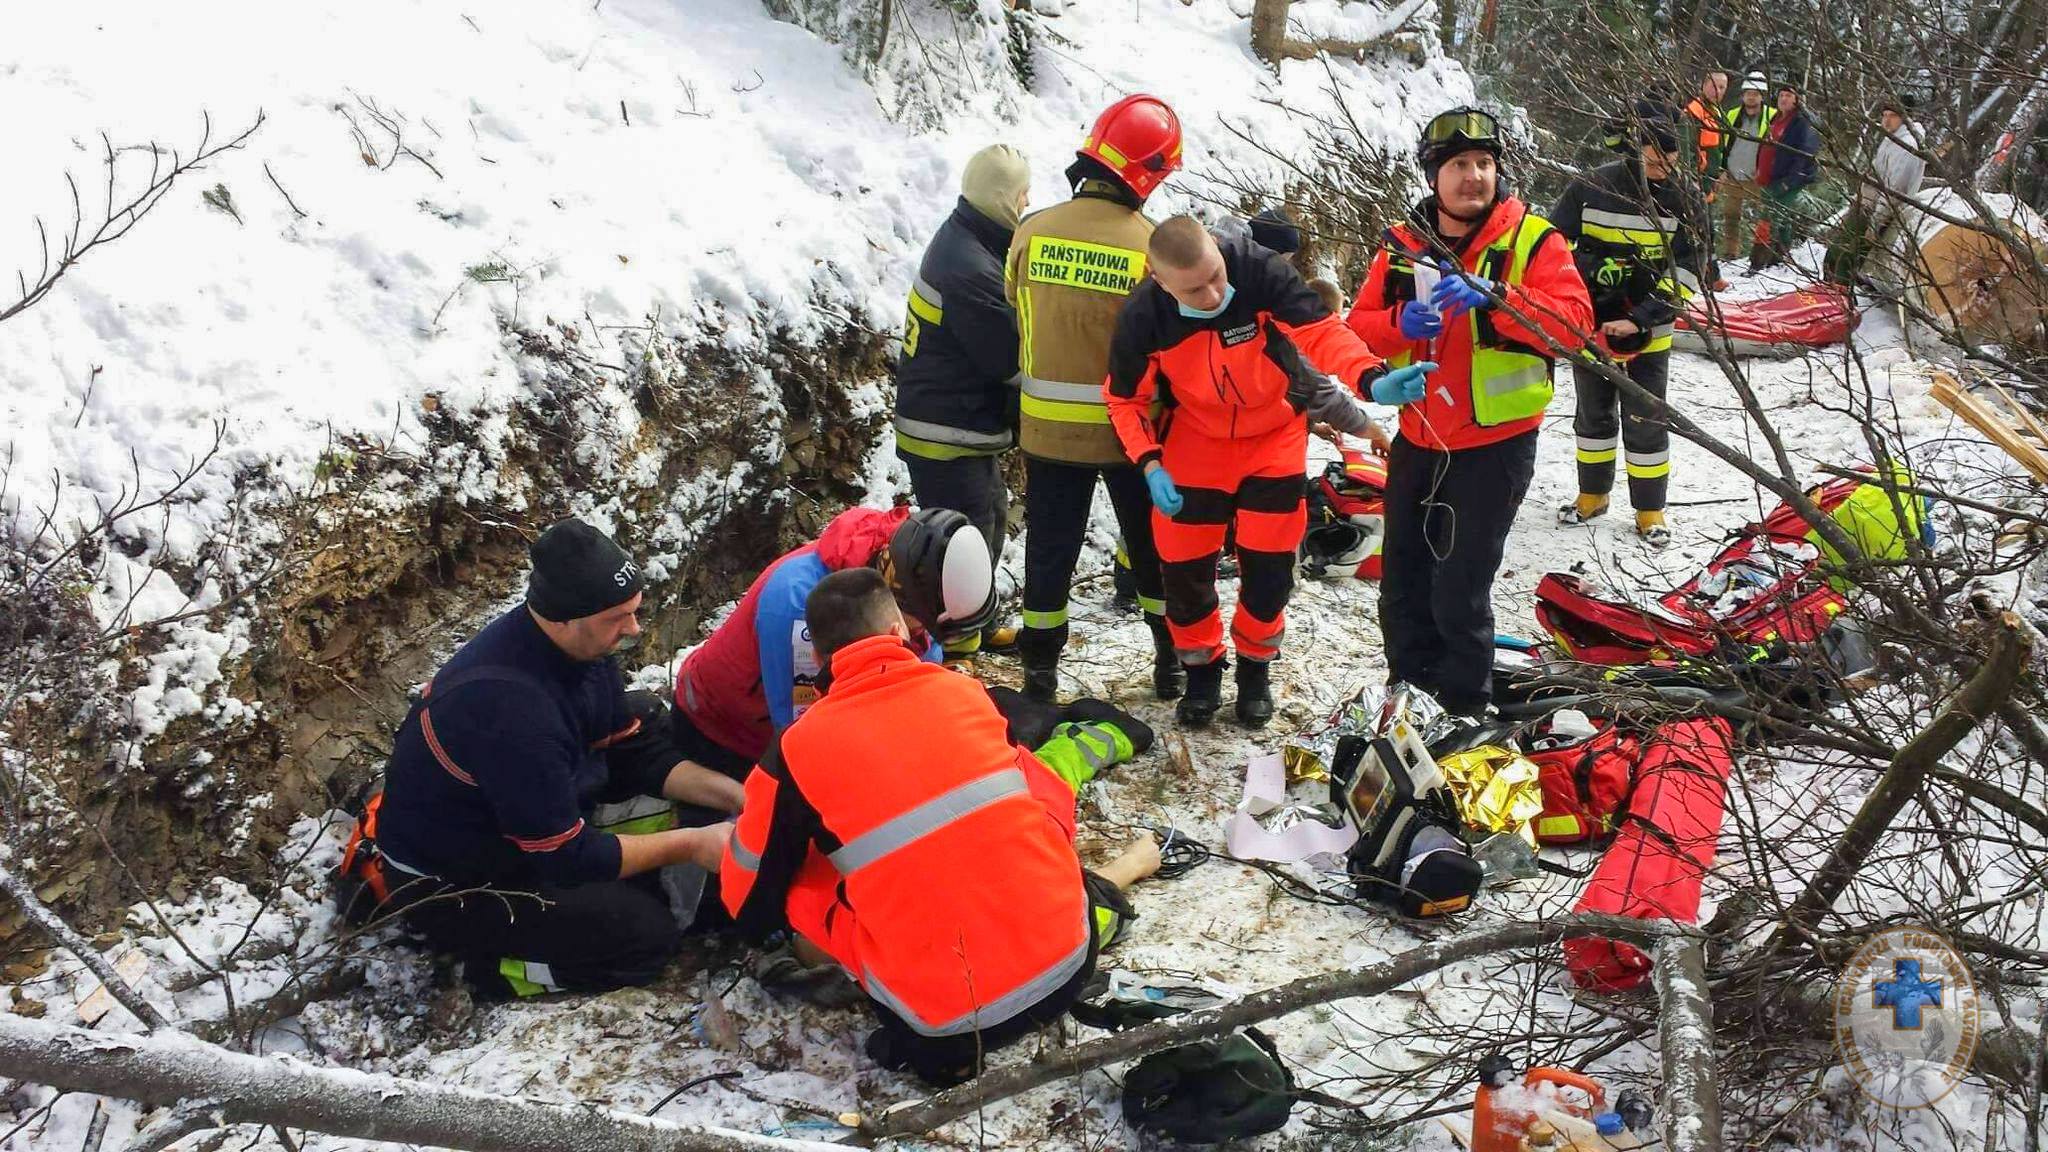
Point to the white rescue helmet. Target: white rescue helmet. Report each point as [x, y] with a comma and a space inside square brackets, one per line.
[940, 572]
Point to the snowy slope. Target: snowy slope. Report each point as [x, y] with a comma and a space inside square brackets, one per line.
[751, 182]
[1222, 925]
[688, 163]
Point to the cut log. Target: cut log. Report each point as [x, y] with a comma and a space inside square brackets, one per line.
[171, 1068]
[1965, 275]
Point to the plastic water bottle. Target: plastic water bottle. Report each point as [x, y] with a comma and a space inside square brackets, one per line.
[1426, 277]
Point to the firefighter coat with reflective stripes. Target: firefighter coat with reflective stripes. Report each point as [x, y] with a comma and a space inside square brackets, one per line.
[897, 828]
[956, 386]
[1638, 247]
[1215, 376]
[1070, 268]
[492, 780]
[1492, 381]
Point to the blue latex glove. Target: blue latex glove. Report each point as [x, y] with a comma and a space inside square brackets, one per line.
[1460, 292]
[1402, 385]
[1419, 321]
[1165, 496]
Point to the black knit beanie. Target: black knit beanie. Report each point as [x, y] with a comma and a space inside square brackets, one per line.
[577, 572]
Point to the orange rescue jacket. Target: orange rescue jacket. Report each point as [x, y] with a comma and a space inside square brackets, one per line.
[937, 856]
[1214, 376]
[1550, 293]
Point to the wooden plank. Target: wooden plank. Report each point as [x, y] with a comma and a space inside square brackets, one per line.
[1949, 394]
[2028, 424]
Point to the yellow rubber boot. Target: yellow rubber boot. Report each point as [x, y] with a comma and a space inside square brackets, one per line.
[1583, 509]
[1652, 528]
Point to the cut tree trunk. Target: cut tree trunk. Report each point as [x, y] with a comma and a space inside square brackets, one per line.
[1269, 29]
[1967, 276]
[170, 1068]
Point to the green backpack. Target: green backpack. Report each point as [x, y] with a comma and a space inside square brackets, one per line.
[1212, 1091]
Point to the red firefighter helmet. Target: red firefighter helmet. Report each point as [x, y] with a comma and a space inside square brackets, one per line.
[1138, 138]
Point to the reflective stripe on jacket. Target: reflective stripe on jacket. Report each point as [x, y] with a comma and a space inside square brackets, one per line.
[1069, 269]
[1492, 381]
[942, 854]
[1638, 248]
[957, 376]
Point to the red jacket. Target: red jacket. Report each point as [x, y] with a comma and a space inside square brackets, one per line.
[895, 826]
[1214, 376]
[1550, 293]
[749, 677]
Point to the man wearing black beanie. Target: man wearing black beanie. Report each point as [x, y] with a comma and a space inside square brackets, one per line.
[490, 832]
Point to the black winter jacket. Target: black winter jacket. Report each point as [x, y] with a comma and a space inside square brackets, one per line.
[1639, 264]
[956, 382]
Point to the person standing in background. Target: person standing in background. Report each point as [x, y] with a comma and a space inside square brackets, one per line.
[1748, 123]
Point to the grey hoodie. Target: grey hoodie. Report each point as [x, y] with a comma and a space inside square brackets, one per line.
[1896, 166]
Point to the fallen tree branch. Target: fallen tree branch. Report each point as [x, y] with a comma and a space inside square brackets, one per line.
[67, 938]
[1692, 1097]
[1210, 1023]
[1985, 691]
[169, 1068]
[181, 1121]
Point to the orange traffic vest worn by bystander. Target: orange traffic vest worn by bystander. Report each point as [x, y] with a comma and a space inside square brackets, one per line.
[896, 827]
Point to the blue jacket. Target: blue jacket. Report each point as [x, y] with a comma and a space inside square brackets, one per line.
[790, 674]
[494, 772]
[1793, 153]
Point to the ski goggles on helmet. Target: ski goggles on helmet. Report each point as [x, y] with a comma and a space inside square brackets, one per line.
[1468, 123]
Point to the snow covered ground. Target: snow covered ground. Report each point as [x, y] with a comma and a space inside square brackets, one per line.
[1223, 925]
[692, 161]
[425, 175]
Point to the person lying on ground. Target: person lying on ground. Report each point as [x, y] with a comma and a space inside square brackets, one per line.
[759, 670]
[898, 830]
[487, 834]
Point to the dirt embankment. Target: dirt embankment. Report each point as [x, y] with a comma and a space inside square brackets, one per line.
[394, 558]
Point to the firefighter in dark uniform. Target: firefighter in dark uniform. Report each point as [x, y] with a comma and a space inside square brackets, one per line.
[956, 383]
[1069, 269]
[489, 835]
[1637, 229]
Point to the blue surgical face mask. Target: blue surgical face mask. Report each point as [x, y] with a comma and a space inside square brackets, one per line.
[1229, 294]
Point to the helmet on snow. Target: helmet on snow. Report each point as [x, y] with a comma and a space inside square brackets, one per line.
[1346, 525]
[938, 566]
[1138, 139]
[1461, 129]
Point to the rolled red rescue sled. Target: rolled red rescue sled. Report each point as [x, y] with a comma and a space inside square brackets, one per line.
[1776, 326]
[1656, 866]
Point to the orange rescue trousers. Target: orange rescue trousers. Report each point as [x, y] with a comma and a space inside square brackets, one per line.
[1258, 484]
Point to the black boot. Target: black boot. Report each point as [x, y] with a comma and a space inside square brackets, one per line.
[1169, 676]
[1038, 649]
[1205, 694]
[1254, 692]
[1042, 684]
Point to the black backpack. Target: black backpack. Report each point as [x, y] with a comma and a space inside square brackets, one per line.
[1211, 1091]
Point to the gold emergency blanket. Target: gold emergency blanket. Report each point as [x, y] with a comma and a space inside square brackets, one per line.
[1497, 789]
